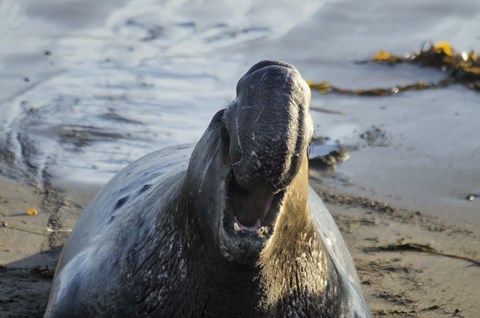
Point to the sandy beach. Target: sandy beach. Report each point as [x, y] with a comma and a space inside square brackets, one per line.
[395, 283]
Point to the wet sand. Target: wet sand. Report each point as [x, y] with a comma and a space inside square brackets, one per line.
[396, 284]
[408, 283]
[31, 245]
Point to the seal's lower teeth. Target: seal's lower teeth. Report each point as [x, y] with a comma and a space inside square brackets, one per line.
[262, 230]
[236, 227]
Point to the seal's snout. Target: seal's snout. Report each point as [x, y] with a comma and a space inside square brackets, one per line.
[269, 127]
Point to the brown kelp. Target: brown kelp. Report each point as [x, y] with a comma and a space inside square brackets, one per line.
[460, 68]
[415, 247]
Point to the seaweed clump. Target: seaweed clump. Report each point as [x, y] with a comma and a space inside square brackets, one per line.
[460, 67]
[402, 246]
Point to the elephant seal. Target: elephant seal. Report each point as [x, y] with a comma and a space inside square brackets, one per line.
[228, 229]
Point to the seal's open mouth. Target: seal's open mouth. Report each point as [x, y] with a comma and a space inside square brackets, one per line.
[250, 214]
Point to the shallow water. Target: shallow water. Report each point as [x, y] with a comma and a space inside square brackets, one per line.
[92, 94]
[89, 87]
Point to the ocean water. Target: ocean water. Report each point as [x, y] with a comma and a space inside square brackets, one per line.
[88, 86]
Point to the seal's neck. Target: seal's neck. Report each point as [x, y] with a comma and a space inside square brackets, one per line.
[225, 291]
[204, 283]
[297, 273]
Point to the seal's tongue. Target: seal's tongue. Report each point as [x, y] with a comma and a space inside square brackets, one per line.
[238, 226]
[250, 208]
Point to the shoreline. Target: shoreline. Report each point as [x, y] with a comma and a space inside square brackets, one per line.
[395, 284]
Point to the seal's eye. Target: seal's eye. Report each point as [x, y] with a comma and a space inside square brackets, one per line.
[225, 136]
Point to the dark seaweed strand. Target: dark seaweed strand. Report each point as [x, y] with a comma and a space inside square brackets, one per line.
[461, 68]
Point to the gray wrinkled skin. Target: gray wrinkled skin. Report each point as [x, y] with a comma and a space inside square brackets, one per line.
[267, 134]
[228, 230]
